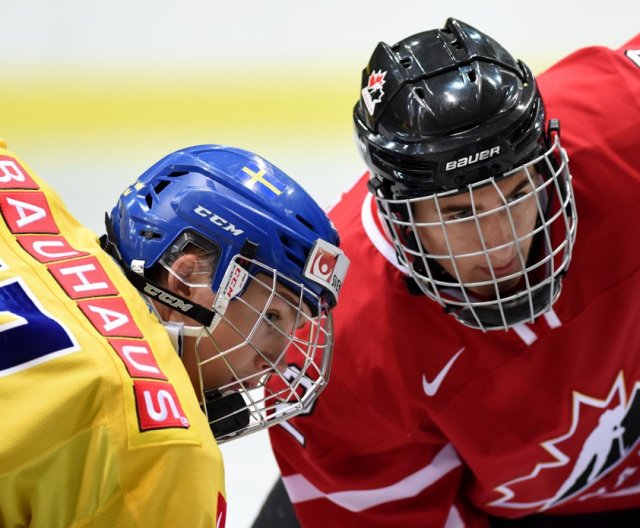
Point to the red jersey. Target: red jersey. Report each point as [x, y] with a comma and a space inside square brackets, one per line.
[426, 422]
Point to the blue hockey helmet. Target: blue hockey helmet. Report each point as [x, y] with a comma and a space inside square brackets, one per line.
[255, 226]
[231, 198]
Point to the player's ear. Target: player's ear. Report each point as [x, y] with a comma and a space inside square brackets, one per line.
[182, 270]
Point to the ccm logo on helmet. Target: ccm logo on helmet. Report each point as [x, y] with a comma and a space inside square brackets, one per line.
[217, 220]
[474, 158]
[166, 298]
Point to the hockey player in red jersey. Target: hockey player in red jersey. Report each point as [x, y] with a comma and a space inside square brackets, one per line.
[487, 345]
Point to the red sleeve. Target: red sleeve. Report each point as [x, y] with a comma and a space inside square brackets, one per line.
[595, 92]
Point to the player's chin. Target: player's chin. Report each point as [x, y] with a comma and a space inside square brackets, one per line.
[501, 287]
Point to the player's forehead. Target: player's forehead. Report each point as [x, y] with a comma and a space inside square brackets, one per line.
[268, 287]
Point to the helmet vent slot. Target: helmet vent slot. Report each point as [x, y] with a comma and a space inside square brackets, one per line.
[419, 92]
[471, 74]
[304, 221]
[157, 188]
[406, 62]
[160, 186]
[292, 250]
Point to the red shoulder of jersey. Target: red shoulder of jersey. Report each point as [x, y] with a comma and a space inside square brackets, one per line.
[595, 92]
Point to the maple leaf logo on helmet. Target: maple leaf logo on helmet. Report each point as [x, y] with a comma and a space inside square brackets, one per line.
[373, 92]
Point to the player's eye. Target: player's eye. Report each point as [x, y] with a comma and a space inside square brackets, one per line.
[460, 214]
[272, 317]
[516, 196]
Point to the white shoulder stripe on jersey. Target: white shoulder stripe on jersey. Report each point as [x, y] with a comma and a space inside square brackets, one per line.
[378, 239]
[301, 490]
[454, 520]
[525, 333]
[529, 336]
[552, 319]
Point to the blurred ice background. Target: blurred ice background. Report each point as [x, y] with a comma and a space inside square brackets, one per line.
[92, 93]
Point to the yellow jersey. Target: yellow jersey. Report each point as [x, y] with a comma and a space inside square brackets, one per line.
[100, 423]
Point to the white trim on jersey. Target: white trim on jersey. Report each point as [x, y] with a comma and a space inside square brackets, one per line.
[552, 319]
[525, 333]
[529, 336]
[301, 490]
[454, 520]
[9, 320]
[378, 238]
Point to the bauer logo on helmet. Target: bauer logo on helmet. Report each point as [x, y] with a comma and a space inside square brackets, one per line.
[473, 158]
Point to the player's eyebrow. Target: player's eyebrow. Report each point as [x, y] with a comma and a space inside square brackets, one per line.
[525, 181]
[292, 301]
[287, 295]
[454, 208]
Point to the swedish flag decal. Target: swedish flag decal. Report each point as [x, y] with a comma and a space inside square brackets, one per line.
[260, 178]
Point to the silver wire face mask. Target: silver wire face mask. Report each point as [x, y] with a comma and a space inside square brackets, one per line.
[493, 253]
[254, 339]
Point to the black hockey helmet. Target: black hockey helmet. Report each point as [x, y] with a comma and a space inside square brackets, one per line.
[445, 108]
[449, 112]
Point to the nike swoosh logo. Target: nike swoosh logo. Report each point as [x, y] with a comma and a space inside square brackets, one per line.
[431, 387]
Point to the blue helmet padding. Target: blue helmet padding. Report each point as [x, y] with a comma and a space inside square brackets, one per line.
[227, 195]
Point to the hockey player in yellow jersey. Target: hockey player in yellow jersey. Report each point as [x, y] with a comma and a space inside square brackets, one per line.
[214, 257]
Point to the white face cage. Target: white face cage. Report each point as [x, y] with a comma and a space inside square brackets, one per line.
[493, 255]
[254, 341]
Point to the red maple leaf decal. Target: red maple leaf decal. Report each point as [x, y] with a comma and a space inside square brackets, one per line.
[376, 78]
